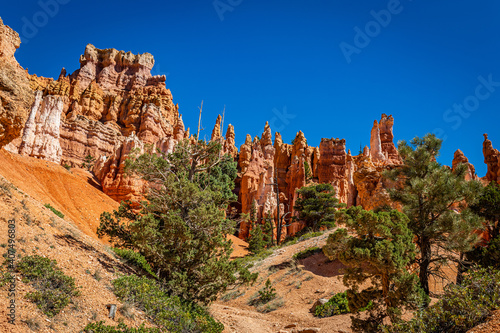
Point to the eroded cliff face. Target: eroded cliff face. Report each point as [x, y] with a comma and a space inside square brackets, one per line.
[16, 96]
[357, 180]
[106, 108]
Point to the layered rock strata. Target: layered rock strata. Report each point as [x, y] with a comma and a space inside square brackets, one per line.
[106, 108]
[16, 95]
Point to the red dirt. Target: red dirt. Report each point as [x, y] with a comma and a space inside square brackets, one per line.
[74, 192]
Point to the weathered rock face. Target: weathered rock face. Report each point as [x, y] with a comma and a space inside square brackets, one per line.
[492, 160]
[459, 158]
[256, 165]
[229, 144]
[107, 107]
[41, 133]
[382, 148]
[387, 140]
[332, 168]
[371, 187]
[16, 96]
[376, 152]
[111, 173]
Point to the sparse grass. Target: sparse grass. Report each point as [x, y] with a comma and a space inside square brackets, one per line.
[307, 253]
[53, 289]
[271, 306]
[256, 257]
[32, 323]
[309, 277]
[5, 187]
[27, 218]
[55, 211]
[23, 203]
[97, 275]
[93, 316]
[301, 238]
[232, 295]
[126, 310]
[5, 277]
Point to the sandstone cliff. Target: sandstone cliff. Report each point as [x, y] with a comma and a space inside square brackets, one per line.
[16, 96]
[109, 106]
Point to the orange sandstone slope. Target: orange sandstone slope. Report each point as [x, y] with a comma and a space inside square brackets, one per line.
[74, 193]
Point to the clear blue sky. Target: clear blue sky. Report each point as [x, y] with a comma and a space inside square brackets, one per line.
[288, 55]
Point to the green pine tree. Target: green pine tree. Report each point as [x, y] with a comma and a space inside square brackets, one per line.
[488, 207]
[317, 206]
[376, 258]
[88, 162]
[256, 243]
[269, 230]
[182, 228]
[429, 192]
[307, 171]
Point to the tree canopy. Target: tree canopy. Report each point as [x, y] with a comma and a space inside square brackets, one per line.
[377, 257]
[181, 229]
[317, 205]
[435, 199]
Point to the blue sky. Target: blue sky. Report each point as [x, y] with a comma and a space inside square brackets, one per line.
[328, 68]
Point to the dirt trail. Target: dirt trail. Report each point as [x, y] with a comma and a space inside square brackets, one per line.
[298, 287]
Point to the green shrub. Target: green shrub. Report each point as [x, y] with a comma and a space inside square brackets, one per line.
[99, 327]
[461, 308]
[338, 304]
[267, 293]
[169, 313]
[135, 259]
[53, 289]
[55, 211]
[67, 167]
[306, 253]
[263, 296]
